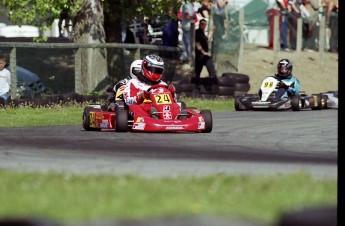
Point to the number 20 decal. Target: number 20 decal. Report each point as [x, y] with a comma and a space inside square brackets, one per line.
[162, 99]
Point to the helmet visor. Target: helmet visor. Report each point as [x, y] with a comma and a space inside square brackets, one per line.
[136, 70]
[283, 69]
[154, 68]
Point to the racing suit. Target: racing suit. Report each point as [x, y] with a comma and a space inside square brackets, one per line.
[134, 97]
[283, 90]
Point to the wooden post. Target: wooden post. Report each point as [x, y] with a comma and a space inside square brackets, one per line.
[13, 69]
[192, 45]
[322, 33]
[276, 35]
[78, 87]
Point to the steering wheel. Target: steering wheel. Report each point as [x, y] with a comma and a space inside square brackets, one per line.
[156, 86]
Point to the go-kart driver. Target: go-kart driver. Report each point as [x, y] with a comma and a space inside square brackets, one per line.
[134, 69]
[135, 92]
[284, 76]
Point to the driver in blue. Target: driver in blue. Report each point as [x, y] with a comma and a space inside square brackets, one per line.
[284, 76]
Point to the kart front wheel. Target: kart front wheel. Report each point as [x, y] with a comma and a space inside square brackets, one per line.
[121, 120]
[208, 120]
[296, 103]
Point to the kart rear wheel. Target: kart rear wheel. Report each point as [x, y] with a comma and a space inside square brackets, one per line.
[237, 104]
[121, 120]
[86, 119]
[318, 100]
[296, 103]
[324, 101]
[208, 120]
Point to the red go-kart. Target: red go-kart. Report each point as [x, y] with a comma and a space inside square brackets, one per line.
[163, 117]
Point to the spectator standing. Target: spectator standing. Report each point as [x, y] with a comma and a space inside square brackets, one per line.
[202, 55]
[170, 31]
[205, 9]
[309, 12]
[283, 9]
[332, 21]
[292, 17]
[188, 17]
[5, 80]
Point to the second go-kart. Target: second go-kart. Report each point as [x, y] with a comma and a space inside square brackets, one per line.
[163, 118]
[268, 100]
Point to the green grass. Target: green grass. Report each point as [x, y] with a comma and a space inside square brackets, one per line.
[67, 198]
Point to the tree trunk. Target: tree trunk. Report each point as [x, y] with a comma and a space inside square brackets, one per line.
[88, 29]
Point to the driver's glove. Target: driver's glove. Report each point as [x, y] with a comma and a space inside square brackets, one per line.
[141, 96]
[282, 85]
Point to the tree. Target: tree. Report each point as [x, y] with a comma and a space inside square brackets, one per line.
[94, 21]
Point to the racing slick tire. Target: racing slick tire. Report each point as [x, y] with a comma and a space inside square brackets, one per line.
[183, 105]
[324, 101]
[121, 120]
[237, 104]
[296, 103]
[318, 98]
[86, 119]
[208, 120]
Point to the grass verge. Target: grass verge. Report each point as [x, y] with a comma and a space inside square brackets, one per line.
[65, 197]
[71, 114]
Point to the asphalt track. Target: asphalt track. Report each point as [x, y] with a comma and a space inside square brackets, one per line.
[256, 143]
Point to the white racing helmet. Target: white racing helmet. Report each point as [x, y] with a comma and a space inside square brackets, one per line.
[135, 68]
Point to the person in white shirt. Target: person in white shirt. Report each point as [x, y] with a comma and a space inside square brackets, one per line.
[5, 80]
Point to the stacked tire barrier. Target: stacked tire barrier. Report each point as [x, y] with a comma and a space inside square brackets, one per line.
[226, 86]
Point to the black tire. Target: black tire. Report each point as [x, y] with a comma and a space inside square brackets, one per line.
[186, 87]
[242, 87]
[226, 91]
[237, 103]
[183, 105]
[318, 101]
[239, 78]
[208, 120]
[121, 120]
[86, 119]
[324, 101]
[240, 93]
[296, 103]
[208, 89]
[226, 81]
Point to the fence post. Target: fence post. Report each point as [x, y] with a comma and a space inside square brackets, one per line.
[77, 72]
[13, 69]
[192, 46]
[276, 35]
[322, 33]
[240, 53]
[299, 37]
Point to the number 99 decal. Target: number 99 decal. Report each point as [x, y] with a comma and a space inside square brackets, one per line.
[268, 84]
